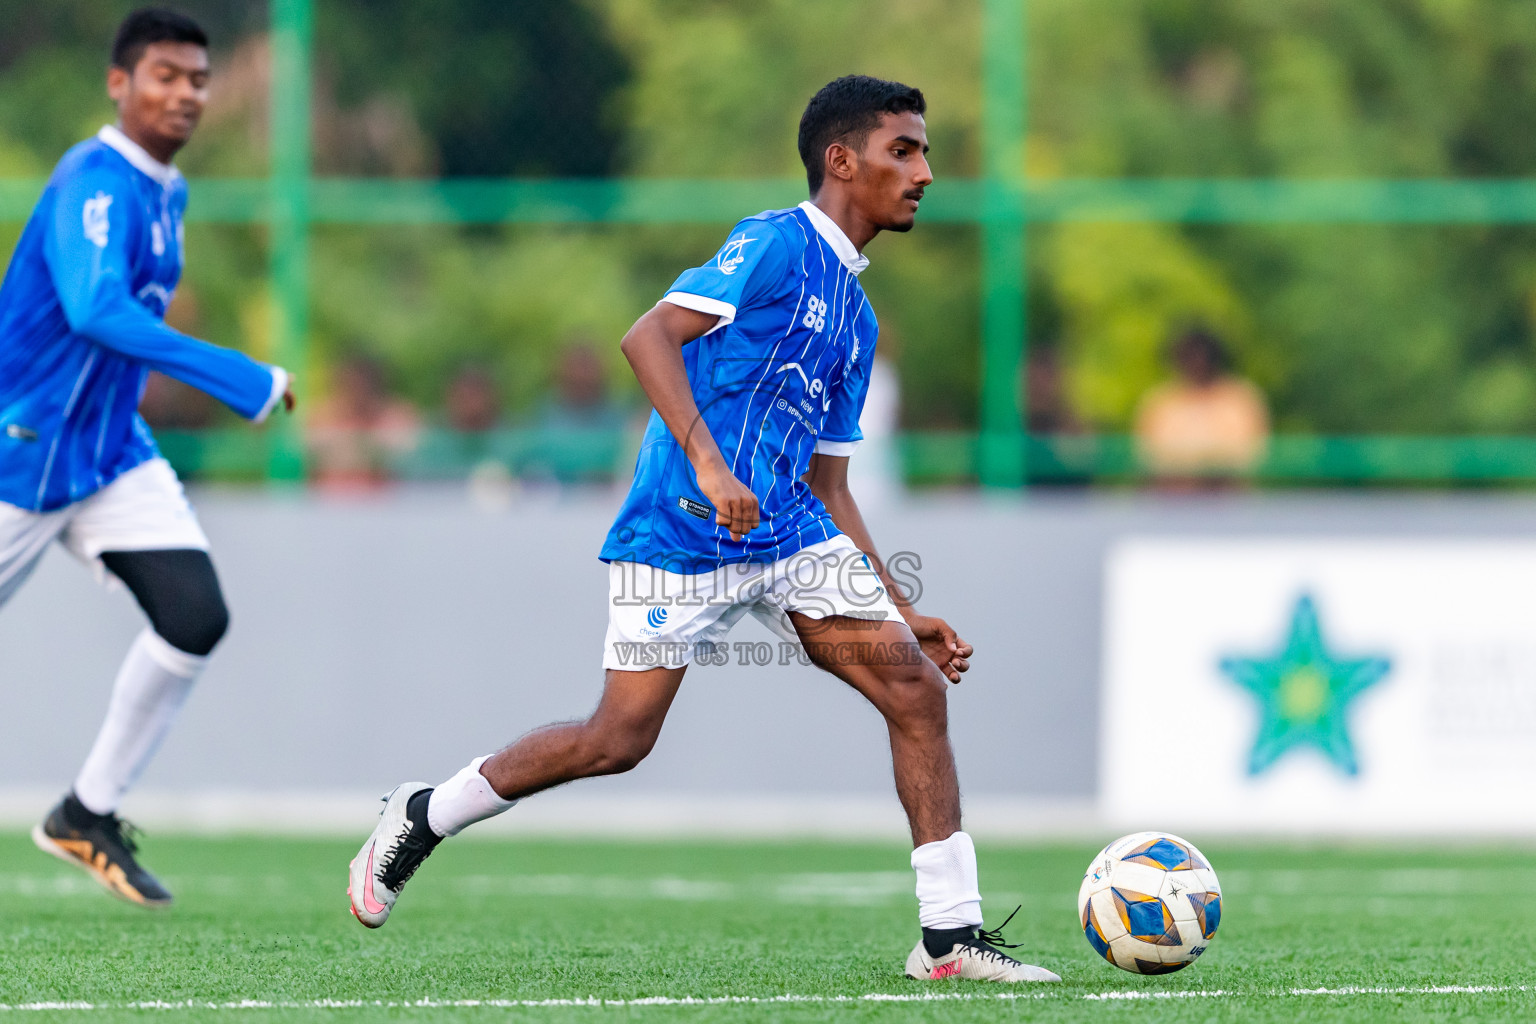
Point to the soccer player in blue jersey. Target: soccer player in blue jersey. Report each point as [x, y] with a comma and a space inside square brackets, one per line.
[757, 365]
[81, 325]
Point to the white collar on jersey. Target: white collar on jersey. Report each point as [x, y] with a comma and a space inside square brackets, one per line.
[136, 154]
[827, 228]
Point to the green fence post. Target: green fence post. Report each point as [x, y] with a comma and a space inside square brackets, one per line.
[1004, 314]
[288, 223]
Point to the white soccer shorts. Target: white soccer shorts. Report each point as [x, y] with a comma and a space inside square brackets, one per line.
[661, 619]
[145, 509]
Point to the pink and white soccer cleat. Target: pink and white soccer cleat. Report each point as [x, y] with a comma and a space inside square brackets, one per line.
[973, 956]
[398, 845]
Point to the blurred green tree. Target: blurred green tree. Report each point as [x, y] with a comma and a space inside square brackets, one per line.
[1349, 328]
[523, 88]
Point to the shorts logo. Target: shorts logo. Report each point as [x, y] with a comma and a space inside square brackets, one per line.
[730, 257]
[656, 617]
[95, 220]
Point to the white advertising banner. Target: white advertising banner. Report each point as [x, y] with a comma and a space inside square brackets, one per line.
[1333, 686]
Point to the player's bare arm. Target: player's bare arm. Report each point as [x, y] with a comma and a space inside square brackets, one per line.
[828, 480]
[654, 348]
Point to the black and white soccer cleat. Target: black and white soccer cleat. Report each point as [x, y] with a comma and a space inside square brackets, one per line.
[104, 846]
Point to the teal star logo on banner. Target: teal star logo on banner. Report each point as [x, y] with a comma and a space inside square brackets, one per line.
[1304, 693]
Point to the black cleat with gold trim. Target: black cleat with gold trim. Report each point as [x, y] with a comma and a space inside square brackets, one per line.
[102, 844]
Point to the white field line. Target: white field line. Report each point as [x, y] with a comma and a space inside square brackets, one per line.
[871, 997]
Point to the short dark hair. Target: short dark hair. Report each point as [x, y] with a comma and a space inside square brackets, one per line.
[152, 25]
[1204, 342]
[847, 110]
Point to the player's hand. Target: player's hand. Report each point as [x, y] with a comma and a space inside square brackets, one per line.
[735, 504]
[289, 401]
[942, 645]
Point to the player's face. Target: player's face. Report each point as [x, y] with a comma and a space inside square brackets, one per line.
[893, 171]
[161, 100]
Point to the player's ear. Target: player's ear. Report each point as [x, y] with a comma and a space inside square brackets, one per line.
[842, 161]
[117, 83]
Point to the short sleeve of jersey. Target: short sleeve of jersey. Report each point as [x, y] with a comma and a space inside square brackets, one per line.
[840, 433]
[747, 271]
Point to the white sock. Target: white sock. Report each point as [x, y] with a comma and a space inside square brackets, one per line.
[463, 800]
[150, 689]
[948, 894]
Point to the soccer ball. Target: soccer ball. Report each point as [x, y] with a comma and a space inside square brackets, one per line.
[1149, 903]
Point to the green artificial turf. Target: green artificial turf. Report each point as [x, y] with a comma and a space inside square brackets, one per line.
[266, 919]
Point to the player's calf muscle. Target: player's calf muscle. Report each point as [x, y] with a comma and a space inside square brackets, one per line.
[563, 753]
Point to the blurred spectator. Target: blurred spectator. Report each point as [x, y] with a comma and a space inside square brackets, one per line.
[1205, 427]
[581, 400]
[1058, 451]
[168, 403]
[474, 443]
[1046, 409]
[580, 429]
[472, 404]
[358, 431]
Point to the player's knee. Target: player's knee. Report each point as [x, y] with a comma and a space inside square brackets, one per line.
[916, 699]
[179, 592]
[612, 752]
[195, 626]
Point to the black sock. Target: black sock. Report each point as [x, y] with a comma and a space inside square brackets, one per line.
[941, 941]
[416, 811]
[78, 815]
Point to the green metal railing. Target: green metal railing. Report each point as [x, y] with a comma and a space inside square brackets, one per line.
[927, 458]
[1001, 204]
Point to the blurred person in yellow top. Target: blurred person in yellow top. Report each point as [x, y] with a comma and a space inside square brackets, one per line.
[1205, 427]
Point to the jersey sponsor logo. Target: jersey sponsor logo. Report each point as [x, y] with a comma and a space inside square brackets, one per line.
[94, 217]
[794, 410]
[731, 256]
[693, 508]
[813, 387]
[796, 367]
[815, 314]
[157, 239]
[155, 290]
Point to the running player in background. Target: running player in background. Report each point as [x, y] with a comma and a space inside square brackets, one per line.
[757, 364]
[81, 325]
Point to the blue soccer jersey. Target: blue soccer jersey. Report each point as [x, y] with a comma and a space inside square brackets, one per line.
[782, 375]
[81, 325]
